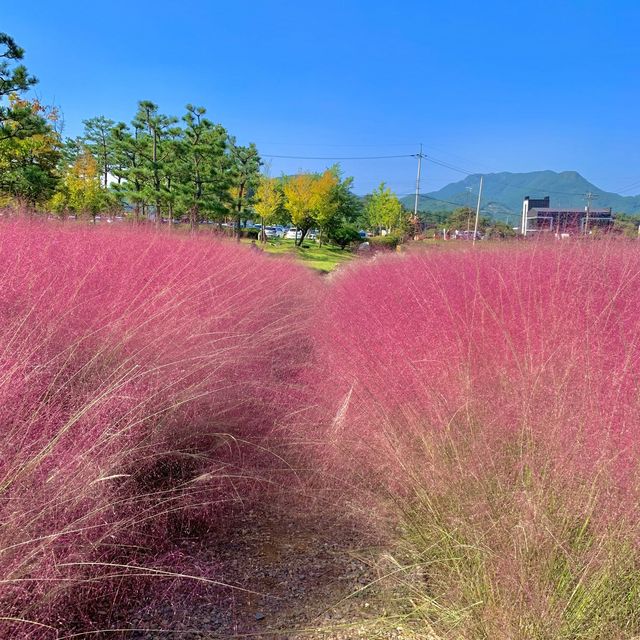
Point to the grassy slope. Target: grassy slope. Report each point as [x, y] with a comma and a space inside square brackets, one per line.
[325, 258]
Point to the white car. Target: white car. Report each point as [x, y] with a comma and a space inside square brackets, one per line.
[293, 234]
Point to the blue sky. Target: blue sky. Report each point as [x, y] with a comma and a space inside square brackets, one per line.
[485, 86]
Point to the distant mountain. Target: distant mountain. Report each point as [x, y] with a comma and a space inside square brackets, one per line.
[504, 192]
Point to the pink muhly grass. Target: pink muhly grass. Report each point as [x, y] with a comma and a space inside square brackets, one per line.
[493, 396]
[132, 366]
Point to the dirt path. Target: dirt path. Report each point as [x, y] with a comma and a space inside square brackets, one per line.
[295, 577]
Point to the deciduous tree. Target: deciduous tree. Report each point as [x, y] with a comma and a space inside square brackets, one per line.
[269, 202]
[299, 198]
[385, 211]
[80, 190]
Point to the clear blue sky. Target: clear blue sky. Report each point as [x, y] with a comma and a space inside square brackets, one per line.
[487, 86]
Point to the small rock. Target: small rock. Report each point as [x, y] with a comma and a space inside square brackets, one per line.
[259, 616]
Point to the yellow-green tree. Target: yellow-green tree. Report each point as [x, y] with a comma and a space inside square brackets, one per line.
[325, 203]
[300, 197]
[385, 211]
[269, 202]
[80, 191]
[312, 200]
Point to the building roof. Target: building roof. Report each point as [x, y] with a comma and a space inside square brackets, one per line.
[547, 211]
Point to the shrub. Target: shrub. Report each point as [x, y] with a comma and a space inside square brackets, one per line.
[345, 235]
[130, 364]
[388, 242]
[252, 234]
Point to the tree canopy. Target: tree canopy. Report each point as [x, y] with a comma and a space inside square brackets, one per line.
[385, 211]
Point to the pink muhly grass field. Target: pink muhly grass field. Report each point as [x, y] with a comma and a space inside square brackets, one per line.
[493, 396]
[133, 365]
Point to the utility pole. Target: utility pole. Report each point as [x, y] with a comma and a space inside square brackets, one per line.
[475, 229]
[415, 207]
[589, 196]
[469, 190]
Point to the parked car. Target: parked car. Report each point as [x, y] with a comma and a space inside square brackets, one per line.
[293, 234]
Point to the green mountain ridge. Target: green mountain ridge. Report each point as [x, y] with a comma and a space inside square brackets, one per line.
[504, 192]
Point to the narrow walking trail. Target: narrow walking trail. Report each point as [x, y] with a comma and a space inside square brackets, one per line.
[291, 575]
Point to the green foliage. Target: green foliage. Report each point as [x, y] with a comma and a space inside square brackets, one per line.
[128, 144]
[157, 134]
[390, 241]
[28, 163]
[202, 179]
[194, 170]
[344, 234]
[244, 175]
[499, 230]
[269, 201]
[463, 219]
[385, 211]
[299, 196]
[586, 583]
[29, 142]
[98, 139]
[433, 219]
[16, 119]
[80, 191]
[627, 225]
[322, 200]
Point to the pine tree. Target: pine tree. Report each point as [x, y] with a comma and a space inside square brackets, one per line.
[245, 176]
[157, 131]
[203, 167]
[98, 138]
[16, 118]
[127, 167]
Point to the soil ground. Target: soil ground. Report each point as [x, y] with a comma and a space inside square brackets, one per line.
[290, 577]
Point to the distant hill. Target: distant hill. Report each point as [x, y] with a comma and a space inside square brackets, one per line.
[503, 193]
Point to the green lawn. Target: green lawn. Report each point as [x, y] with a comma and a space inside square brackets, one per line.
[325, 258]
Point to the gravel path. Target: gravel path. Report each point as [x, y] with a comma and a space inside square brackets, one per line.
[293, 577]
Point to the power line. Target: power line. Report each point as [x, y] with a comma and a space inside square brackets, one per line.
[329, 145]
[633, 185]
[430, 158]
[442, 163]
[410, 155]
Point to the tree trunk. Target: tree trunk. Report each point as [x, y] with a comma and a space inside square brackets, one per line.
[239, 210]
[303, 233]
[193, 218]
